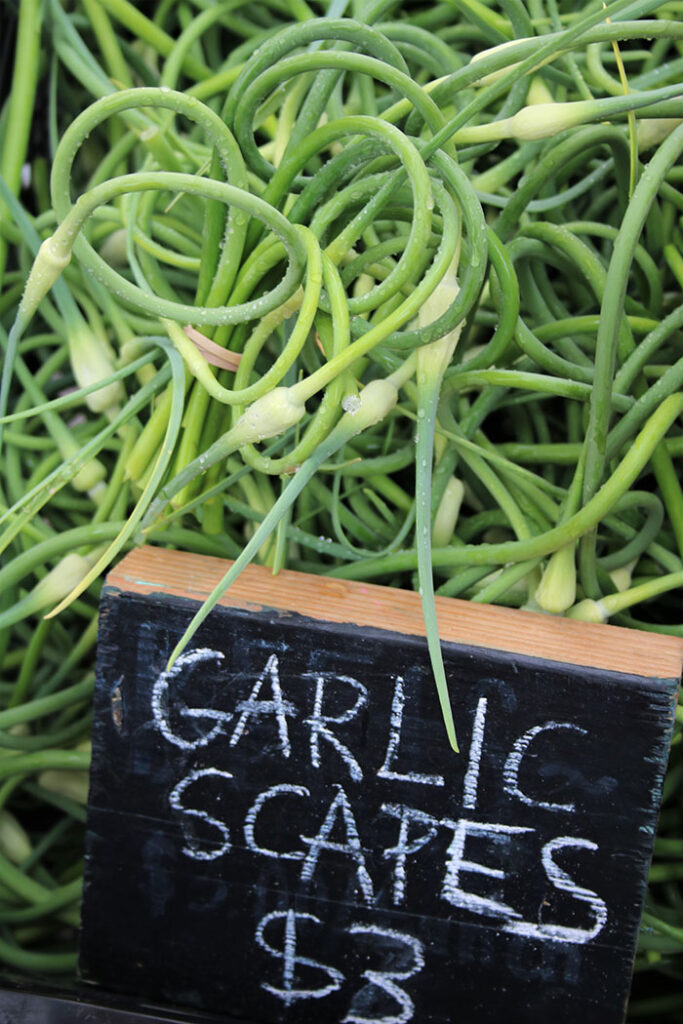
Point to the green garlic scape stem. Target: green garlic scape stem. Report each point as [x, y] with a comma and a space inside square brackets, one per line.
[543, 120]
[576, 526]
[25, 76]
[374, 402]
[432, 362]
[303, 197]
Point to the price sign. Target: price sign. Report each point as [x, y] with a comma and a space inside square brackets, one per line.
[278, 829]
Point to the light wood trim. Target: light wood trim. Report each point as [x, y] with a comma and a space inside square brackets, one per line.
[151, 570]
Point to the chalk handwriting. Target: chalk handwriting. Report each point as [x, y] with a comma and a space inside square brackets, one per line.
[282, 789]
[395, 726]
[403, 953]
[514, 762]
[254, 707]
[472, 862]
[471, 783]
[192, 848]
[407, 845]
[160, 699]
[392, 940]
[452, 890]
[290, 960]
[562, 881]
[351, 847]
[320, 724]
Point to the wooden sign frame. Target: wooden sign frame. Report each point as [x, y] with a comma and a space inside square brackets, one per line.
[43, 1003]
[278, 829]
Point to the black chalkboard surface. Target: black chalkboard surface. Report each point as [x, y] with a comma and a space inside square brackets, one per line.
[279, 831]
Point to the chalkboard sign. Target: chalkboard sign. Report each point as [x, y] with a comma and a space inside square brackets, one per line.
[278, 829]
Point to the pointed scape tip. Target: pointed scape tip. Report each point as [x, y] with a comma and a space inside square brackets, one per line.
[450, 732]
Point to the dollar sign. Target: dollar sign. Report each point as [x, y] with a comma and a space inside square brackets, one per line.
[288, 993]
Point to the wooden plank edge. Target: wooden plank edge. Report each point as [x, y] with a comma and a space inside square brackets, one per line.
[36, 1001]
[150, 570]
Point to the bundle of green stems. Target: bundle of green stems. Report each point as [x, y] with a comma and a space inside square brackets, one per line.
[378, 290]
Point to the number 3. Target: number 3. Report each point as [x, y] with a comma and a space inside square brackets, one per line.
[411, 958]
